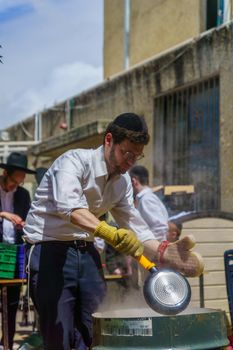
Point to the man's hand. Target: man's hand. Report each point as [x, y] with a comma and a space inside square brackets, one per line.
[16, 220]
[178, 255]
[123, 240]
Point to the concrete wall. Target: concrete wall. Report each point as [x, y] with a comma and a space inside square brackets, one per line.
[159, 25]
[113, 37]
[224, 53]
[155, 25]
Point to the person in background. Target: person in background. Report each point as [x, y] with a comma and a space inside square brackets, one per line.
[14, 206]
[154, 213]
[148, 204]
[66, 278]
[174, 231]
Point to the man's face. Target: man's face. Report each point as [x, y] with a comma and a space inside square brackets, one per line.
[120, 157]
[173, 232]
[12, 181]
[135, 185]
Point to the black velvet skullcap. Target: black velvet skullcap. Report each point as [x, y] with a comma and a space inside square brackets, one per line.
[131, 121]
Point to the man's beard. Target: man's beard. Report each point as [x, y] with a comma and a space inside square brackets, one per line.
[114, 169]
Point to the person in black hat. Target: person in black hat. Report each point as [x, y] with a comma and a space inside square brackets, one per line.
[14, 205]
[66, 278]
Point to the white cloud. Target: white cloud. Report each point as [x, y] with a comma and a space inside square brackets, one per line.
[64, 82]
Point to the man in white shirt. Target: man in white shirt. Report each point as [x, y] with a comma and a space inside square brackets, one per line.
[14, 205]
[148, 204]
[151, 208]
[66, 279]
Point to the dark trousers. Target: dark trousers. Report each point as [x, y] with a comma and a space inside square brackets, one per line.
[13, 296]
[66, 286]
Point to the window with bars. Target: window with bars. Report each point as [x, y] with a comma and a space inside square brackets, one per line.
[187, 141]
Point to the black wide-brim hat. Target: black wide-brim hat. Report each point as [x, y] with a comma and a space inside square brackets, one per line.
[17, 161]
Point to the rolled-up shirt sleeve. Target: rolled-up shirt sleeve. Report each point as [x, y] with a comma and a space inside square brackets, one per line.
[67, 188]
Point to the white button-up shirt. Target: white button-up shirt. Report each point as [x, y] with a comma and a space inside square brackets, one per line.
[79, 179]
[153, 212]
[7, 199]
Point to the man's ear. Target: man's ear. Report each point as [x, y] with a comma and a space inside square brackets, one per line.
[108, 139]
[134, 181]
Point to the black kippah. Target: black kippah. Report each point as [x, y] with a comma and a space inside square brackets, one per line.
[131, 121]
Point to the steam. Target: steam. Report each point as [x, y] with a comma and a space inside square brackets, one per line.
[120, 298]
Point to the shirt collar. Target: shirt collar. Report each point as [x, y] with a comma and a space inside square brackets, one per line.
[144, 191]
[99, 163]
[100, 166]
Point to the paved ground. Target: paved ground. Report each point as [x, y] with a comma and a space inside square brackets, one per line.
[22, 330]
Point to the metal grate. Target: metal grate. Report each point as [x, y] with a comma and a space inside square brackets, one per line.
[187, 141]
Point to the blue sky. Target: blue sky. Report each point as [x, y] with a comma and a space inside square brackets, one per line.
[52, 50]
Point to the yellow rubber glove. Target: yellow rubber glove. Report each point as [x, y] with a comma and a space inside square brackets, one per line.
[123, 240]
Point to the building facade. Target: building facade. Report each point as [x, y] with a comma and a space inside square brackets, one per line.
[135, 30]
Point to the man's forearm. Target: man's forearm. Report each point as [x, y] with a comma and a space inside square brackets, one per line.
[151, 248]
[84, 219]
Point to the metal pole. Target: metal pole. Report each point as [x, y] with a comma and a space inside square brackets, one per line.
[201, 285]
[126, 32]
[67, 114]
[5, 318]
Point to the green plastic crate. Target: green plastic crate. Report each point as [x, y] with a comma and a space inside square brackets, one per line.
[7, 274]
[8, 255]
[8, 247]
[7, 267]
[7, 258]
